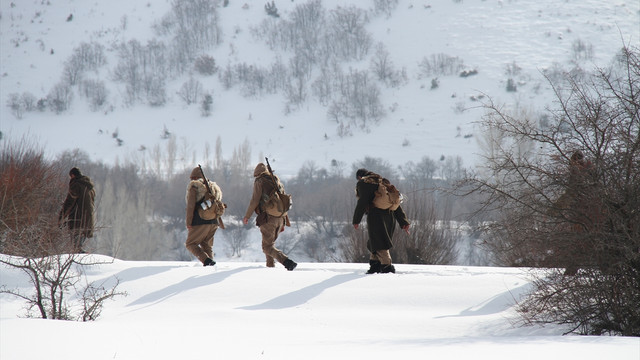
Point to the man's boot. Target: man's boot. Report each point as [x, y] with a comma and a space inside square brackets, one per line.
[289, 264]
[209, 262]
[374, 266]
[385, 269]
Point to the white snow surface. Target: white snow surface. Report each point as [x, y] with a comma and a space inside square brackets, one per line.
[487, 35]
[243, 310]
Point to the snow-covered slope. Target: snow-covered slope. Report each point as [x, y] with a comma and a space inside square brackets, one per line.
[36, 39]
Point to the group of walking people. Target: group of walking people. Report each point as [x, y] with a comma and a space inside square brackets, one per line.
[78, 210]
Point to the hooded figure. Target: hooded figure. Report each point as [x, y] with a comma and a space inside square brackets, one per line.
[380, 223]
[78, 208]
[270, 225]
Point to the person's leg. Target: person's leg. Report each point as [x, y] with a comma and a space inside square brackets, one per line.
[270, 231]
[194, 238]
[207, 242]
[385, 261]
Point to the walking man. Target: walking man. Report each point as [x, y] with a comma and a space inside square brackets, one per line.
[271, 222]
[200, 231]
[78, 209]
[381, 222]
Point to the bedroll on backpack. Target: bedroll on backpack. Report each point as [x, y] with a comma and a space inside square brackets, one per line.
[387, 197]
[276, 204]
[210, 208]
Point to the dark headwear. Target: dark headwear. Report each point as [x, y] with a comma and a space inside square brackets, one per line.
[361, 173]
[75, 172]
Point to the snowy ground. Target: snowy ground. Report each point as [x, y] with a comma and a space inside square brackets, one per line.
[242, 310]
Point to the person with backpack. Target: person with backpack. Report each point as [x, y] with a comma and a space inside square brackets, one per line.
[78, 209]
[272, 217]
[201, 228]
[381, 202]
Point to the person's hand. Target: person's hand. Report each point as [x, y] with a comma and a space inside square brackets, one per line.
[245, 221]
[356, 226]
[188, 227]
[406, 229]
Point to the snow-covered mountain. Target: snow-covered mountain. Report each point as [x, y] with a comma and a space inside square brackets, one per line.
[499, 39]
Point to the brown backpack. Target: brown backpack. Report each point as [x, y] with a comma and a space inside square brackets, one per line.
[211, 207]
[275, 202]
[388, 197]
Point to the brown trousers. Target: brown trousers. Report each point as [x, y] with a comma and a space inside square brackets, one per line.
[383, 256]
[200, 241]
[270, 231]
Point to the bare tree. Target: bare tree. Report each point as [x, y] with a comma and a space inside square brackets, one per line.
[568, 196]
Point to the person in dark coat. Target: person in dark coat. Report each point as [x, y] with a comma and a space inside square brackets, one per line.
[78, 208]
[381, 223]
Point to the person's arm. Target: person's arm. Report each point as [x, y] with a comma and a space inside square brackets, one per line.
[402, 219]
[69, 202]
[255, 201]
[191, 204]
[364, 199]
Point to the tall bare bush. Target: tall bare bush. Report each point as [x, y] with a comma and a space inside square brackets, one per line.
[583, 219]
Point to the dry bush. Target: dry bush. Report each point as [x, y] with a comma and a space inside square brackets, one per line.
[582, 216]
[431, 241]
[31, 196]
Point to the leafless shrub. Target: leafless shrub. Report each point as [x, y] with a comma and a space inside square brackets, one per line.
[236, 238]
[440, 65]
[568, 197]
[384, 6]
[96, 93]
[353, 245]
[57, 286]
[431, 241]
[60, 97]
[190, 91]
[205, 65]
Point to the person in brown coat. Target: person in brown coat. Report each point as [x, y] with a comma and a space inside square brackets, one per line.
[200, 232]
[381, 223]
[78, 209]
[270, 225]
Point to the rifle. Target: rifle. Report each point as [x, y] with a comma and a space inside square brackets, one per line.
[206, 184]
[275, 183]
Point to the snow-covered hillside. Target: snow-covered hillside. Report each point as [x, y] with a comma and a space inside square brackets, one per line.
[37, 37]
[181, 310]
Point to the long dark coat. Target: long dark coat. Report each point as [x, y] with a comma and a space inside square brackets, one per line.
[380, 223]
[78, 207]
